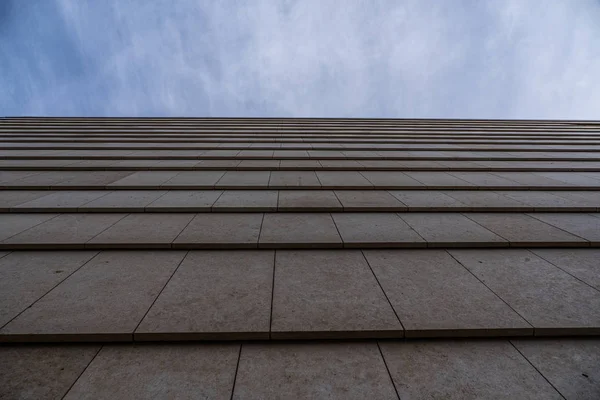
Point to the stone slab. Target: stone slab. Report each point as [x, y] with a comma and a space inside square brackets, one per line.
[64, 231]
[463, 370]
[42, 372]
[532, 179]
[299, 164]
[206, 299]
[143, 179]
[294, 179]
[343, 180]
[451, 230]
[299, 230]
[344, 371]
[376, 230]
[435, 296]
[369, 200]
[221, 230]
[246, 201]
[12, 198]
[194, 180]
[13, 224]
[571, 366]
[583, 264]
[217, 164]
[91, 179]
[551, 300]
[143, 230]
[308, 200]
[61, 201]
[522, 230]
[351, 165]
[544, 200]
[586, 226]
[483, 200]
[123, 201]
[428, 200]
[244, 180]
[483, 179]
[185, 201]
[258, 164]
[103, 301]
[329, 294]
[182, 371]
[25, 276]
[440, 180]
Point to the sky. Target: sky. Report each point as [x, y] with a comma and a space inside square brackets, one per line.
[301, 58]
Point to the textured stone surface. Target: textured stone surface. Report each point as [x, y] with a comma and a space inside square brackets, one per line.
[246, 200]
[185, 200]
[143, 178]
[221, 230]
[583, 264]
[159, 372]
[548, 298]
[42, 372]
[206, 298]
[12, 198]
[293, 179]
[312, 371]
[308, 200]
[434, 295]
[329, 294]
[369, 200]
[123, 201]
[13, 224]
[571, 366]
[343, 180]
[243, 180]
[64, 201]
[586, 226]
[105, 299]
[376, 230]
[391, 180]
[463, 370]
[428, 200]
[194, 180]
[299, 230]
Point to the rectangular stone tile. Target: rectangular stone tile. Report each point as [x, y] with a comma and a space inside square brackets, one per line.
[531, 179]
[255, 154]
[290, 154]
[244, 180]
[246, 201]
[543, 200]
[570, 365]
[308, 200]
[40, 371]
[13, 224]
[484, 179]
[439, 180]
[169, 371]
[12, 198]
[92, 179]
[428, 200]
[143, 230]
[376, 230]
[143, 179]
[382, 164]
[391, 180]
[185, 200]
[483, 200]
[206, 299]
[299, 164]
[194, 180]
[326, 154]
[312, 371]
[451, 230]
[299, 230]
[554, 302]
[220, 153]
[571, 178]
[175, 163]
[258, 164]
[9, 176]
[64, 231]
[435, 296]
[39, 180]
[217, 164]
[581, 263]
[341, 164]
[522, 230]
[104, 300]
[343, 180]
[329, 294]
[221, 230]
[293, 179]
[61, 201]
[580, 198]
[369, 200]
[123, 201]
[586, 226]
[25, 276]
[457, 370]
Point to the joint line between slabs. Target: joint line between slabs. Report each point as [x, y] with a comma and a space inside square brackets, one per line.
[272, 293]
[565, 271]
[491, 290]
[237, 367]
[537, 370]
[532, 215]
[82, 372]
[388, 370]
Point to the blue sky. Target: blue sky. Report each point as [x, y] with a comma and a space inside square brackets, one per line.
[321, 58]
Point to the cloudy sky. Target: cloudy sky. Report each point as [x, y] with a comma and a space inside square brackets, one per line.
[326, 58]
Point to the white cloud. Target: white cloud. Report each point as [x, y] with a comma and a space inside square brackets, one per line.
[409, 58]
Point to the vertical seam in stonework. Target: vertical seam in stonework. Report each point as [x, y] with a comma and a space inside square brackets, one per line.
[215, 202]
[487, 229]
[336, 228]
[260, 231]
[565, 271]
[158, 295]
[184, 228]
[490, 289]
[388, 370]
[82, 372]
[276, 205]
[237, 367]
[537, 370]
[382, 290]
[554, 226]
[413, 229]
[272, 292]
[360, 173]
[108, 227]
[98, 198]
[51, 289]
[166, 191]
[31, 227]
[341, 204]
[7, 253]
